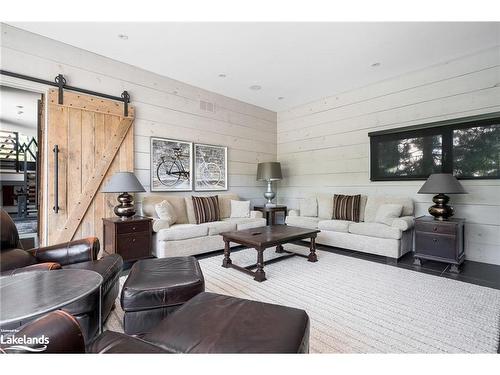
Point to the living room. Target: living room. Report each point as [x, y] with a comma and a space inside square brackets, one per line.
[305, 187]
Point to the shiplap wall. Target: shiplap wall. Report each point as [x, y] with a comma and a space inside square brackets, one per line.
[164, 107]
[324, 145]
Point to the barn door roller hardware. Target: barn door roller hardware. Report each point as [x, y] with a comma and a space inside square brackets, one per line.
[61, 84]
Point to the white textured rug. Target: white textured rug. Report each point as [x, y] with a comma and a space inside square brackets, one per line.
[358, 306]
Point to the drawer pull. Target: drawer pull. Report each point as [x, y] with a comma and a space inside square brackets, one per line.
[435, 229]
[133, 239]
[434, 240]
[133, 228]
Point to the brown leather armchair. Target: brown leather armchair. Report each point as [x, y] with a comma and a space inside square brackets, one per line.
[79, 254]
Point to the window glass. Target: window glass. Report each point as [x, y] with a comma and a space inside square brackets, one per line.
[409, 157]
[468, 148]
[476, 151]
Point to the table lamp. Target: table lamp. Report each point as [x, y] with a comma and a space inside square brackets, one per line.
[441, 184]
[124, 183]
[269, 171]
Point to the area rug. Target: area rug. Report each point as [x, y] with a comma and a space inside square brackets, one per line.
[358, 306]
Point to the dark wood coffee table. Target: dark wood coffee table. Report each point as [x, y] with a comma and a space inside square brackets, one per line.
[263, 238]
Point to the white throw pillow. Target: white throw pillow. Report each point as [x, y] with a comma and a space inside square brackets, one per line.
[240, 208]
[386, 213]
[308, 207]
[166, 211]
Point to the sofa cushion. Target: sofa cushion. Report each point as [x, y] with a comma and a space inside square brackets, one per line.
[165, 211]
[308, 207]
[303, 221]
[374, 202]
[182, 232]
[346, 207]
[325, 206]
[206, 209]
[240, 208]
[386, 213]
[217, 227]
[362, 207]
[246, 223]
[190, 210]
[178, 203]
[375, 230]
[225, 204]
[334, 225]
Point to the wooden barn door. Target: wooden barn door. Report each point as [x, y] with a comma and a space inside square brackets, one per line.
[94, 140]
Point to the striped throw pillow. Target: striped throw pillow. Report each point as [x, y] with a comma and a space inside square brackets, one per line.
[206, 209]
[346, 207]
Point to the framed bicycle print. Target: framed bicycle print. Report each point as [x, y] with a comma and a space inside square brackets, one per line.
[210, 167]
[171, 164]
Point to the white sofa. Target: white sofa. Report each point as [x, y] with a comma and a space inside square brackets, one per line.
[185, 237]
[367, 236]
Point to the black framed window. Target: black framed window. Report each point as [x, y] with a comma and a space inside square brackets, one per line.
[468, 147]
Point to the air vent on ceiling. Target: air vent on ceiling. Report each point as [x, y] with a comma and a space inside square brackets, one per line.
[207, 106]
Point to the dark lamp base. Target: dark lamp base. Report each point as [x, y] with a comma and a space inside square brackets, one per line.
[441, 211]
[126, 207]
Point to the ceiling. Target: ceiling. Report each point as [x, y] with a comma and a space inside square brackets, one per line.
[297, 62]
[18, 110]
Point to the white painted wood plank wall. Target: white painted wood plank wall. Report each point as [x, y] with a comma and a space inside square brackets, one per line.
[164, 107]
[324, 146]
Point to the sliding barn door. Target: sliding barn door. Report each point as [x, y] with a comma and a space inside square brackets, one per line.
[89, 139]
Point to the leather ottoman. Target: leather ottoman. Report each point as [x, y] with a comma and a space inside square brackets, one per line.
[157, 287]
[214, 323]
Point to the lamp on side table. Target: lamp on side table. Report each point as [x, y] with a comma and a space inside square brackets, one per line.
[124, 183]
[269, 172]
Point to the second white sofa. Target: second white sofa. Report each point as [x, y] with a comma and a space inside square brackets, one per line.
[367, 236]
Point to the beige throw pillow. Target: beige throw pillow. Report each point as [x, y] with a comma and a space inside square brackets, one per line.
[166, 211]
[240, 209]
[386, 213]
[308, 207]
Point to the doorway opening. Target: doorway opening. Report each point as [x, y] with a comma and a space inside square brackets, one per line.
[21, 119]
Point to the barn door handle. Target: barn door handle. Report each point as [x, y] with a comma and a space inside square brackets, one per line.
[56, 179]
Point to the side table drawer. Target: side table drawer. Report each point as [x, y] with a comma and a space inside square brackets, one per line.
[440, 245]
[438, 227]
[134, 245]
[133, 227]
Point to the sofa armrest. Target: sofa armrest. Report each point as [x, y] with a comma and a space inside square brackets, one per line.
[71, 252]
[62, 331]
[256, 215]
[293, 212]
[34, 267]
[159, 224]
[404, 223]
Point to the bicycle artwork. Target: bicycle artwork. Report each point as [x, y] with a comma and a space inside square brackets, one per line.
[171, 162]
[210, 167]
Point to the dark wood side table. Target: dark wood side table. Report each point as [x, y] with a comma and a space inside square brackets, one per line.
[270, 212]
[131, 238]
[442, 241]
